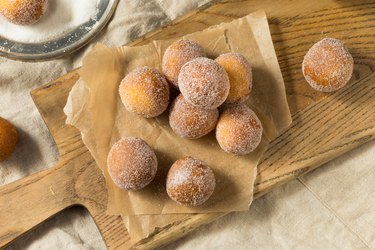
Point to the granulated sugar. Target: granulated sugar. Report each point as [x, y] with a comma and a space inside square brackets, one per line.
[61, 17]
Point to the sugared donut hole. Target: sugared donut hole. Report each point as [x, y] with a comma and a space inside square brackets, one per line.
[328, 65]
[8, 139]
[145, 91]
[240, 76]
[204, 83]
[176, 55]
[238, 131]
[132, 164]
[190, 182]
[189, 121]
[23, 12]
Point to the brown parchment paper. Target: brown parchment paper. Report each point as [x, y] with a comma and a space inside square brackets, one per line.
[142, 226]
[95, 108]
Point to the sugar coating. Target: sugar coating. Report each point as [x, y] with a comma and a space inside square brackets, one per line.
[190, 181]
[23, 12]
[132, 164]
[204, 83]
[189, 121]
[239, 72]
[328, 65]
[176, 55]
[239, 130]
[145, 91]
[8, 139]
[62, 17]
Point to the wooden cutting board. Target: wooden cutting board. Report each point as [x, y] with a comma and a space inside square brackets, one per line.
[324, 126]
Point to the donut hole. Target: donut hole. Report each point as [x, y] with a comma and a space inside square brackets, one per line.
[145, 91]
[190, 182]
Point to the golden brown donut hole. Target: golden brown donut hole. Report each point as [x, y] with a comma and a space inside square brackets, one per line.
[23, 12]
[239, 131]
[204, 83]
[328, 65]
[190, 182]
[189, 121]
[240, 76]
[8, 139]
[145, 91]
[176, 55]
[132, 164]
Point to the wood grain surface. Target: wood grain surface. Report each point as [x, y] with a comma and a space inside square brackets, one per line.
[324, 126]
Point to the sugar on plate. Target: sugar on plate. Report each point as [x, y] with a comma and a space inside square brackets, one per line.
[31, 21]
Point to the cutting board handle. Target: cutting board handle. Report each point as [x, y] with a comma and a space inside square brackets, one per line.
[28, 202]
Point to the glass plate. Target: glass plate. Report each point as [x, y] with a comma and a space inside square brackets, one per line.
[63, 45]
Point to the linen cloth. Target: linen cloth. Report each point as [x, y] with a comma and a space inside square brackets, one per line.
[331, 208]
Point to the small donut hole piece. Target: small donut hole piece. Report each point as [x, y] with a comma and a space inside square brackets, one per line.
[8, 139]
[191, 122]
[23, 12]
[190, 181]
[239, 130]
[132, 163]
[176, 55]
[145, 91]
[328, 65]
[240, 76]
[204, 83]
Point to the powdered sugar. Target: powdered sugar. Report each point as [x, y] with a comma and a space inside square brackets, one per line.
[176, 55]
[61, 17]
[132, 164]
[239, 130]
[328, 65]
[189, 121]
[204, 83]
[190, 181]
